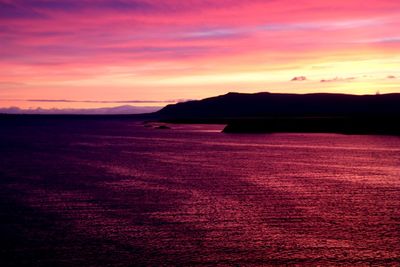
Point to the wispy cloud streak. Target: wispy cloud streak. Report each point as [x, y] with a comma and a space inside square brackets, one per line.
[99, 101]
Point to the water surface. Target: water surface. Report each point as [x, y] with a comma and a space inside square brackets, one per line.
[116, 193]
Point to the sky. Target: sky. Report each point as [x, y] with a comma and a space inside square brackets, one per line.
[84, 54]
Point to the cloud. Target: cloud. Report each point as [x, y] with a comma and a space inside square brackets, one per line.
[127, 109]
[299, 79]
[99, 101]
[383, 40]
[102, 101]
[6, 84]
[338, 79]
[215, 33]
[37, 8]
[13, 11]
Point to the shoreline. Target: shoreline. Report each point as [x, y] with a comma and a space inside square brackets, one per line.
[342, 125]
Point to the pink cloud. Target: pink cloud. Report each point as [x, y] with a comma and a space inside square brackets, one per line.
[299, 78]
[338, 79]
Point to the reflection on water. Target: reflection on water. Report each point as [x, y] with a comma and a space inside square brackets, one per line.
[115, 193]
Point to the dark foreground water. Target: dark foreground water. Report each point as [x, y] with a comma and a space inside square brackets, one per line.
[114, 193]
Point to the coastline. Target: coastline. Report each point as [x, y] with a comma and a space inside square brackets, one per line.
[343, 125]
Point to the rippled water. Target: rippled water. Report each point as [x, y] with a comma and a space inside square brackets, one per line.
[115, 193]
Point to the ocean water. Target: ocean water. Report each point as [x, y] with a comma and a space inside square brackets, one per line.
[111, 192]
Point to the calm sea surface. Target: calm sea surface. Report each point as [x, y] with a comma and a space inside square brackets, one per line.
[115, 193]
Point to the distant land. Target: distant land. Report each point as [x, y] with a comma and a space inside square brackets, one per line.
[119, 110]
[269, 112]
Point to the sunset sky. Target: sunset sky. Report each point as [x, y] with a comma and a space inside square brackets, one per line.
[86, 54]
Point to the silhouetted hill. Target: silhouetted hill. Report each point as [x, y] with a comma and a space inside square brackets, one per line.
[267, 112]
[261, 105]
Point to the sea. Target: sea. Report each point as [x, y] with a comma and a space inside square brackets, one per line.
[97, 191]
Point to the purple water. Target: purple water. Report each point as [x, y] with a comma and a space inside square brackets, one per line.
[115, 193]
